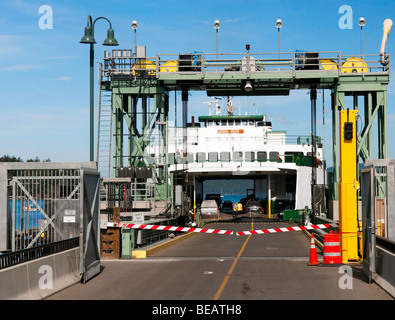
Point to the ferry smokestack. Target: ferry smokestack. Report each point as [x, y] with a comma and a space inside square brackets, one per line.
[386, 30]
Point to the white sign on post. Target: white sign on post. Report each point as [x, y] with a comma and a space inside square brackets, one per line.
[138, 218]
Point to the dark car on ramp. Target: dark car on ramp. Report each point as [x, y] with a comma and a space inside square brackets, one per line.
[227, 207]
[254, 206]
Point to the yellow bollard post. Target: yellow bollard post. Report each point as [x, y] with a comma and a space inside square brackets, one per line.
[348, 218]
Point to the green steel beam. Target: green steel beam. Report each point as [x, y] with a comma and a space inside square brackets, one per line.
[118, 134]
[373, 86]
[367, 130]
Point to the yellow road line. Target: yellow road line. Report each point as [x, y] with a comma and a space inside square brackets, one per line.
[232, 267]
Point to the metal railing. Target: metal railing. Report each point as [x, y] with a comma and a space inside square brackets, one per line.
[13, 258]
[122, 66]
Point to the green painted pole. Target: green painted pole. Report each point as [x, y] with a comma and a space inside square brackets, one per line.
[91, 109]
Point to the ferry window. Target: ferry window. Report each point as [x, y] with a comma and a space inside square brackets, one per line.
[190, 157]
[237, 156]
[225, 156]
[200, 156]
[292, 156]
[249, 156]
[273, 156]
[213, 156]
[172, 157]
[261, 156]
[293, 153]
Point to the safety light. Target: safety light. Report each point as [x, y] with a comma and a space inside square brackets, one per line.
[348, 131]
[247, 47]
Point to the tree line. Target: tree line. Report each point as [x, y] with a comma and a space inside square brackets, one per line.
[7, 158]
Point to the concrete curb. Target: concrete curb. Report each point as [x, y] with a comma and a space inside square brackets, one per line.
[143, 253]
[146, 252]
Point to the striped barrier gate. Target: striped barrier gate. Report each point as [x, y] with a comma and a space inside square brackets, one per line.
[229, 232]
[287, 229]
[172, 228]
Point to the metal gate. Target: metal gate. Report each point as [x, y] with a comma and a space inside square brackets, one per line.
[368, 191]
[378, 214]
[90, 235]
[44, 203]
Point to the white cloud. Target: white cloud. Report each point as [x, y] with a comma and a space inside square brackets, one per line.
[9, 46]
[63, 79]
[4, 38]
[20, 68]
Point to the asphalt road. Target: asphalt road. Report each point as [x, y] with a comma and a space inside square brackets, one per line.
[228, 267]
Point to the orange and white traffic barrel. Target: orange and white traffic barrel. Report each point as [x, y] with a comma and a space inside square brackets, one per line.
[332, 248]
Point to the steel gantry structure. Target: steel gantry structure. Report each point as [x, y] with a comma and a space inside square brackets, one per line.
[135, 80]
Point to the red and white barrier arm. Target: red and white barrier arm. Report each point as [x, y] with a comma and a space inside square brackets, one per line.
[274, 230]
[172, 228]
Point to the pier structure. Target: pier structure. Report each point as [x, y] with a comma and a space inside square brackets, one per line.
[138, 89]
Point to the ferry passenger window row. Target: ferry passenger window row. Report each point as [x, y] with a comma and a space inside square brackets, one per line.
[224, 156]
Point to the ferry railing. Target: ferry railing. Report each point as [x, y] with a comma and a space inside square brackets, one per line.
[122, 66]
[274, 138]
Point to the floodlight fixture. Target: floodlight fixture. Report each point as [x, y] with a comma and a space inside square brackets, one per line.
[279, 23]
[248, 86]
[134, 24]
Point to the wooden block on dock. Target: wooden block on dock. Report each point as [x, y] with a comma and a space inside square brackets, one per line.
[110, 243]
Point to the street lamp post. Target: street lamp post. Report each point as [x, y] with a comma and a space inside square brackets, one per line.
[279, 24]
[362, 23]
[89, 38]
[134, 27]
[217, 26]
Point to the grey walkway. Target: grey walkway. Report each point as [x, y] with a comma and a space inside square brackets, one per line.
[228, 267]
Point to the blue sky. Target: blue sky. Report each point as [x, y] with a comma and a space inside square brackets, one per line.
[44, 101]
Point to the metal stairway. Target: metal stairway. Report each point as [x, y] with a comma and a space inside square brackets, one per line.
[104, 129]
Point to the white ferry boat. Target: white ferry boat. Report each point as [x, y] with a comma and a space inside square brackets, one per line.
[246, 147]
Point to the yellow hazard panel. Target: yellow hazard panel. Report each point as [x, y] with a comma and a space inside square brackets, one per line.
[169, 66]
[144, 66]
[354, 64]
[328, 64]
